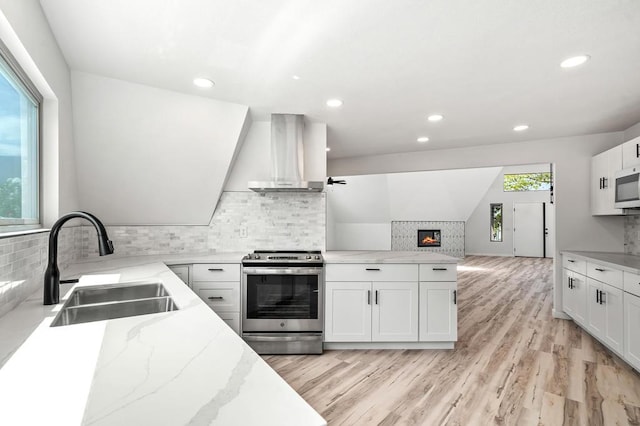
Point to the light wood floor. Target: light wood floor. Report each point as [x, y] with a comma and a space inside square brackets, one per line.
[513, 365]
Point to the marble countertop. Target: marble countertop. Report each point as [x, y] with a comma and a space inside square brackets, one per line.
[364, 256]
[623, 261]
[175, 368]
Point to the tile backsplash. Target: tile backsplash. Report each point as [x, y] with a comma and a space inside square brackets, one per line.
[242, 221]
[632, 235]
[23, 260]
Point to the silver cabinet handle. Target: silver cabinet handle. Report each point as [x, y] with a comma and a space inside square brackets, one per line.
[215, 298]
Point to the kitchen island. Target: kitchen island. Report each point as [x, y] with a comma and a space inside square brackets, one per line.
[181, 367]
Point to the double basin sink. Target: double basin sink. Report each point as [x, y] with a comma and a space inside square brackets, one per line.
[111, 301]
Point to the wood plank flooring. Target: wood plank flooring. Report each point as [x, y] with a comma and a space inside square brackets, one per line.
[513, 365]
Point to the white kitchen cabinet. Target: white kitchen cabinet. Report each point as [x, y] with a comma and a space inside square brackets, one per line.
[394, 312]
[347, 311]
[631, 334]
[631, 153]
[603, 168]
[371, 311]
[605, 314]
[218, 285]
[438, 312]
[182, 271]
[574, 296]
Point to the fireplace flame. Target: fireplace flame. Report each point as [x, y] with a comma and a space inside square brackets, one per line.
[429, 240]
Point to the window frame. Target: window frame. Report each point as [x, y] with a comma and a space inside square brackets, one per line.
[491, 222]
[527, 190]
[12, 67]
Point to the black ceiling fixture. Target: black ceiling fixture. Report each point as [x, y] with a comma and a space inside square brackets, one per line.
[331, 181]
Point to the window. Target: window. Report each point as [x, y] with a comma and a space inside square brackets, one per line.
[19, 145]
[496, 222]
[527, 182]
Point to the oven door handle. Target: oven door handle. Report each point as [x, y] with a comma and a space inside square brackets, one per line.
[282, 271]
[250, 338]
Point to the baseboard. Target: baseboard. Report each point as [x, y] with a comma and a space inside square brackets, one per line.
[388, 345]
[488, 254]
[559, 315]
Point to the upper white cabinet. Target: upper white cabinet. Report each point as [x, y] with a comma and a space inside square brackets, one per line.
[603, 168]
[631, 153]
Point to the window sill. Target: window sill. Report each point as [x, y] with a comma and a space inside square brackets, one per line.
[18, 233]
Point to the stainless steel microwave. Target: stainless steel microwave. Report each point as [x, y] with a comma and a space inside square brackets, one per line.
[628, 188]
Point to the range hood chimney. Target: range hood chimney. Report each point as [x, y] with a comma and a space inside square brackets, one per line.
[287, 166]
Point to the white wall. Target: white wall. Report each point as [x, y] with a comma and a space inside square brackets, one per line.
[362, 210]
[477, 226]
[632, 132]
[254, 159]
[575, 227]
[151, 156]
[25, 31]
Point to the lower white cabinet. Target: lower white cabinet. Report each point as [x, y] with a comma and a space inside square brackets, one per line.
[218, 285]
[438, 312]
[631, 335]
[605, 313]
[371, 311]
[182, 271]
[574, 296]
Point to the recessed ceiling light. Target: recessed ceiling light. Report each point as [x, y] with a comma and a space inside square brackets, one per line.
[328, 149]
[574, 61]
[295, 77]
[423, 139]
[203, 82]
[521, 127]
[435, 117]
[334, 103]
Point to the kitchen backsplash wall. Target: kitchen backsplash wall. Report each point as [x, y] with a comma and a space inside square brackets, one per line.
[632, 235]
[242, 221]
[23, 260]
[404, 236]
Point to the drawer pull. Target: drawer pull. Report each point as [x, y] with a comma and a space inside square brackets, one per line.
[215, 269]
[440, 269]
[571, 261]
[215, 298]
[373, 269]
[600, 269]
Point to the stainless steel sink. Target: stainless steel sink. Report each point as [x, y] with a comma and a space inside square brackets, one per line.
[97, 303]
[115, 293]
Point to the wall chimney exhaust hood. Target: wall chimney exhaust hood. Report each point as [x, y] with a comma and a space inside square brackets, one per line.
[287, 157]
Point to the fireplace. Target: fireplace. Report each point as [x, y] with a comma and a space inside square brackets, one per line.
[429, 238]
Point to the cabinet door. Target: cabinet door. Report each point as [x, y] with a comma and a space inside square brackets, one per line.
[579, 298]
[438, 312]
[595, 310]
[603, 168]
[598, 168]
[614, 164]
[631, 153]
[613, 306]
[348, 311]
[568, 299]
[631, 335]
[395, 312]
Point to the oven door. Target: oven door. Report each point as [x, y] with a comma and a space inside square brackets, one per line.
[282, 299]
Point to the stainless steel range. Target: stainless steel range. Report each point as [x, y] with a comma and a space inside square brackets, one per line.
[282, 301]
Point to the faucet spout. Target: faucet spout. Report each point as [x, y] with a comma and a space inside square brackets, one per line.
[52, 274]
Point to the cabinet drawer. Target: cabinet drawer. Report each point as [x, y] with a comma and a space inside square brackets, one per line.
[371, 272]
[605, 274]
[220, 296]
[573, 264]
[632, 283]
[216, 272]
[232, 319]
[438, 272]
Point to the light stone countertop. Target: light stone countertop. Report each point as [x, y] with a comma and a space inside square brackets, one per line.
[622, 261]
[175, 368]
[364, 256]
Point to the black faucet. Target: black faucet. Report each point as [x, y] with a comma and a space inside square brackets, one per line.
[52, 275]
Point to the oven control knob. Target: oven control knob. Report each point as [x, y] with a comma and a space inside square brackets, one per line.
[257, 256]
[281, 324]
[308, 257]
[317, 257]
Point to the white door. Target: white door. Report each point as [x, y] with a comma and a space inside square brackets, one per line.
[348, 311]
[528, 229]
[438, 312]
[611, 299]
[631, 335]
[395, 312]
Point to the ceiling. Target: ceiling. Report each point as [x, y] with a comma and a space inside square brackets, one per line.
[486, 66]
